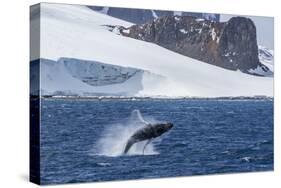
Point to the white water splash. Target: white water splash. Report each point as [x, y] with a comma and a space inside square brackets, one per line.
[114, 138]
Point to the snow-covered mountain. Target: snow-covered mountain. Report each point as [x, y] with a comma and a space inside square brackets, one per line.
[266, 57]
[80, 56]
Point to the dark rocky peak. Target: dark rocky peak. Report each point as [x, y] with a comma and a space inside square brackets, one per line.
[238, 44]
[231, 45]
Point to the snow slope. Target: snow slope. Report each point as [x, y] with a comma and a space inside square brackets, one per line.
[75, 31]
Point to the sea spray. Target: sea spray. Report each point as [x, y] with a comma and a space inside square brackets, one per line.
[115, 136]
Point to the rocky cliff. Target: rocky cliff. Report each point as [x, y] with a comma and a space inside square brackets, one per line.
[231, 45]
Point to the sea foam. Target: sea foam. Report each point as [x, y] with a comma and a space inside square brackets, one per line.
[113, 139]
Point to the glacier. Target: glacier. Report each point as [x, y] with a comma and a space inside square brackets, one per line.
[80, 56]
[76, 77]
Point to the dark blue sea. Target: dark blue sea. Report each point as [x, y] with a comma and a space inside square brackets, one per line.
[83, 140]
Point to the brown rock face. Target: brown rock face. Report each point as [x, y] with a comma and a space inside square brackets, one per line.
[231, 45]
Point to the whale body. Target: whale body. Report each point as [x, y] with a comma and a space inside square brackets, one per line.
[148, 132]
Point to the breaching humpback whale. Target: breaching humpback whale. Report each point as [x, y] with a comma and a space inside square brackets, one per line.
[148, 132]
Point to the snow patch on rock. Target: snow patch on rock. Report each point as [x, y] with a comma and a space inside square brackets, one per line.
[154, 14]
[213, 34]
[183, 31]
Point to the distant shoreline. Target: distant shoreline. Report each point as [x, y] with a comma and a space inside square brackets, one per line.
[152, 98]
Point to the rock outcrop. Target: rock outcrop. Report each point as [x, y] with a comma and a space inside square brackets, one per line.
[231, 45]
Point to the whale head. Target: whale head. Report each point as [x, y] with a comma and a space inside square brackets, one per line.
[163, 127]
[168, 126]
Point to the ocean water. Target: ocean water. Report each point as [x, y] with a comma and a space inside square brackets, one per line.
[83, 140]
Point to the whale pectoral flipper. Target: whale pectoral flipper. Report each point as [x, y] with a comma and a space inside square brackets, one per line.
[146, 145]
[130, 142]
